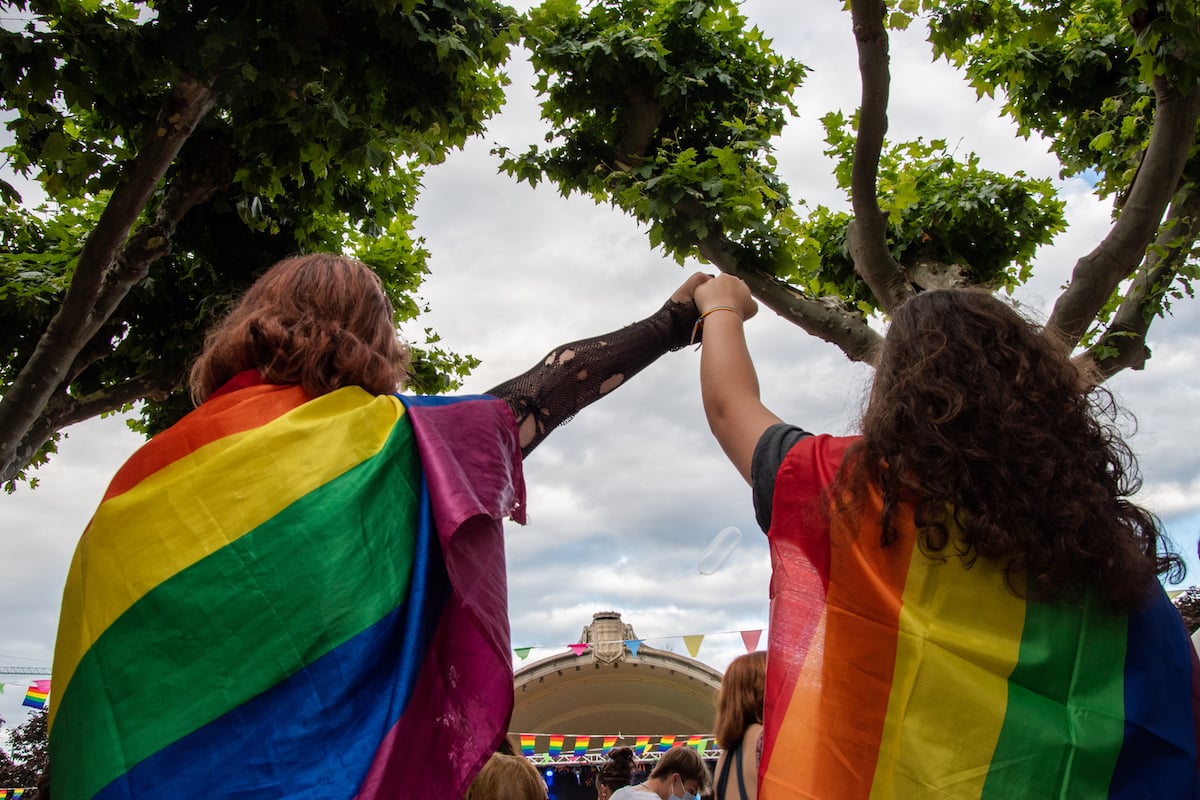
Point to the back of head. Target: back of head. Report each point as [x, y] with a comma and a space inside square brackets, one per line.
[321, 321]
[618, 770]
[506, 777]
[687, 763]
[980, 419]
[740, 700]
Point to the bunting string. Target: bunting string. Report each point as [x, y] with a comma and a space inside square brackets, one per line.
[552, 748]
[750, 638]
[37, 694]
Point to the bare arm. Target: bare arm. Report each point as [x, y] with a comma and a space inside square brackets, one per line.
[574, 375]
[728, 382]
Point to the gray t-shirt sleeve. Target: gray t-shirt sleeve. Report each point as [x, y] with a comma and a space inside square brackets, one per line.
[769, 453]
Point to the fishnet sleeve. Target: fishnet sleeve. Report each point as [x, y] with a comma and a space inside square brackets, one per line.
[578, 373]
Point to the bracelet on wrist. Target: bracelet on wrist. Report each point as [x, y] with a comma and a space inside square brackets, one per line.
[700, 321]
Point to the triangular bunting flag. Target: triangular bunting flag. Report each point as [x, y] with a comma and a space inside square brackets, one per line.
[581, 746]
[693, 643]
[750, 639]
[522, 652]
[633, 645]
[35, 695]
[578, 649]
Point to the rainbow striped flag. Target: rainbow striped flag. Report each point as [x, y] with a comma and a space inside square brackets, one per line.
[291, 597]
[556, 744]
[528, 744]
[892, 674]
[36, 694]
[581, 746]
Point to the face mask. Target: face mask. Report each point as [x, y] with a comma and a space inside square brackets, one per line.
[686, 794]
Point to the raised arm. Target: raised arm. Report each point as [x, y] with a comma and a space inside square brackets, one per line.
[577, 374]
[728, 383]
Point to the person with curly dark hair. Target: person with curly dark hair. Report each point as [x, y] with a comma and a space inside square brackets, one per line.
[964, 597]
[616, 772]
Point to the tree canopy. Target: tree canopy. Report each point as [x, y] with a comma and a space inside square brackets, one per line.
[185, 148]
[680, 137]
[224, 136]
[24, 759]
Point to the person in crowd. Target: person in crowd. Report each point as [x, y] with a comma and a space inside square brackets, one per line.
[299, 589]
[507, 777]
[964, 596]
[616, 773]
[738, 727]
[680, 774]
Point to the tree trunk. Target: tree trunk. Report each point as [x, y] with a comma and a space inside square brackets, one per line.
[101, 280]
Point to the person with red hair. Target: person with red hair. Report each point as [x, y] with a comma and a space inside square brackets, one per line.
[299, 588]
[738, 727]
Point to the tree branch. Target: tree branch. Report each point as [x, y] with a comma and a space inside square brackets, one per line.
[62, 410]
[1126, 333]
[644, 116]
[1098, 273]
[866, 237]
[80, 316]
[929, 273]
[829, 319]
[826, 318]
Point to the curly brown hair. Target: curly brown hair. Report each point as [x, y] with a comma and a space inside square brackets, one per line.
[979, 420]
[322, 321]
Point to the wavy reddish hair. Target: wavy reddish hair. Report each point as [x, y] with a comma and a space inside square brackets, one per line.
[321, 321]
[740, 701]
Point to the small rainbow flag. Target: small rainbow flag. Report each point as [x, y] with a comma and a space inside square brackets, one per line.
[556, 743]
[528, 743]
[666, 743]
[581, 746]
[696, 741]
[642, 745]
[609, 743]
[35, 695]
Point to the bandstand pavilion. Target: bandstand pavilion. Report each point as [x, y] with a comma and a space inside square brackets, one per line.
[568, 708]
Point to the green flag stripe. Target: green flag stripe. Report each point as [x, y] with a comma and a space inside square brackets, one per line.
[1064, 732]
[207, 639]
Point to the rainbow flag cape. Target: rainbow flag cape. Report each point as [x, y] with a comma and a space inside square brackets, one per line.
[291, 597]
[36, 695]
[892, 674]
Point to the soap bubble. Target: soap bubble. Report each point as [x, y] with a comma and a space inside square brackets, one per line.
[719, 549]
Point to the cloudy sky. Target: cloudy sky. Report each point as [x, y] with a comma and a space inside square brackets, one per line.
[624, 499]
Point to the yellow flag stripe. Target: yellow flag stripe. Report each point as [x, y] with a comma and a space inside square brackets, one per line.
[332, 434]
